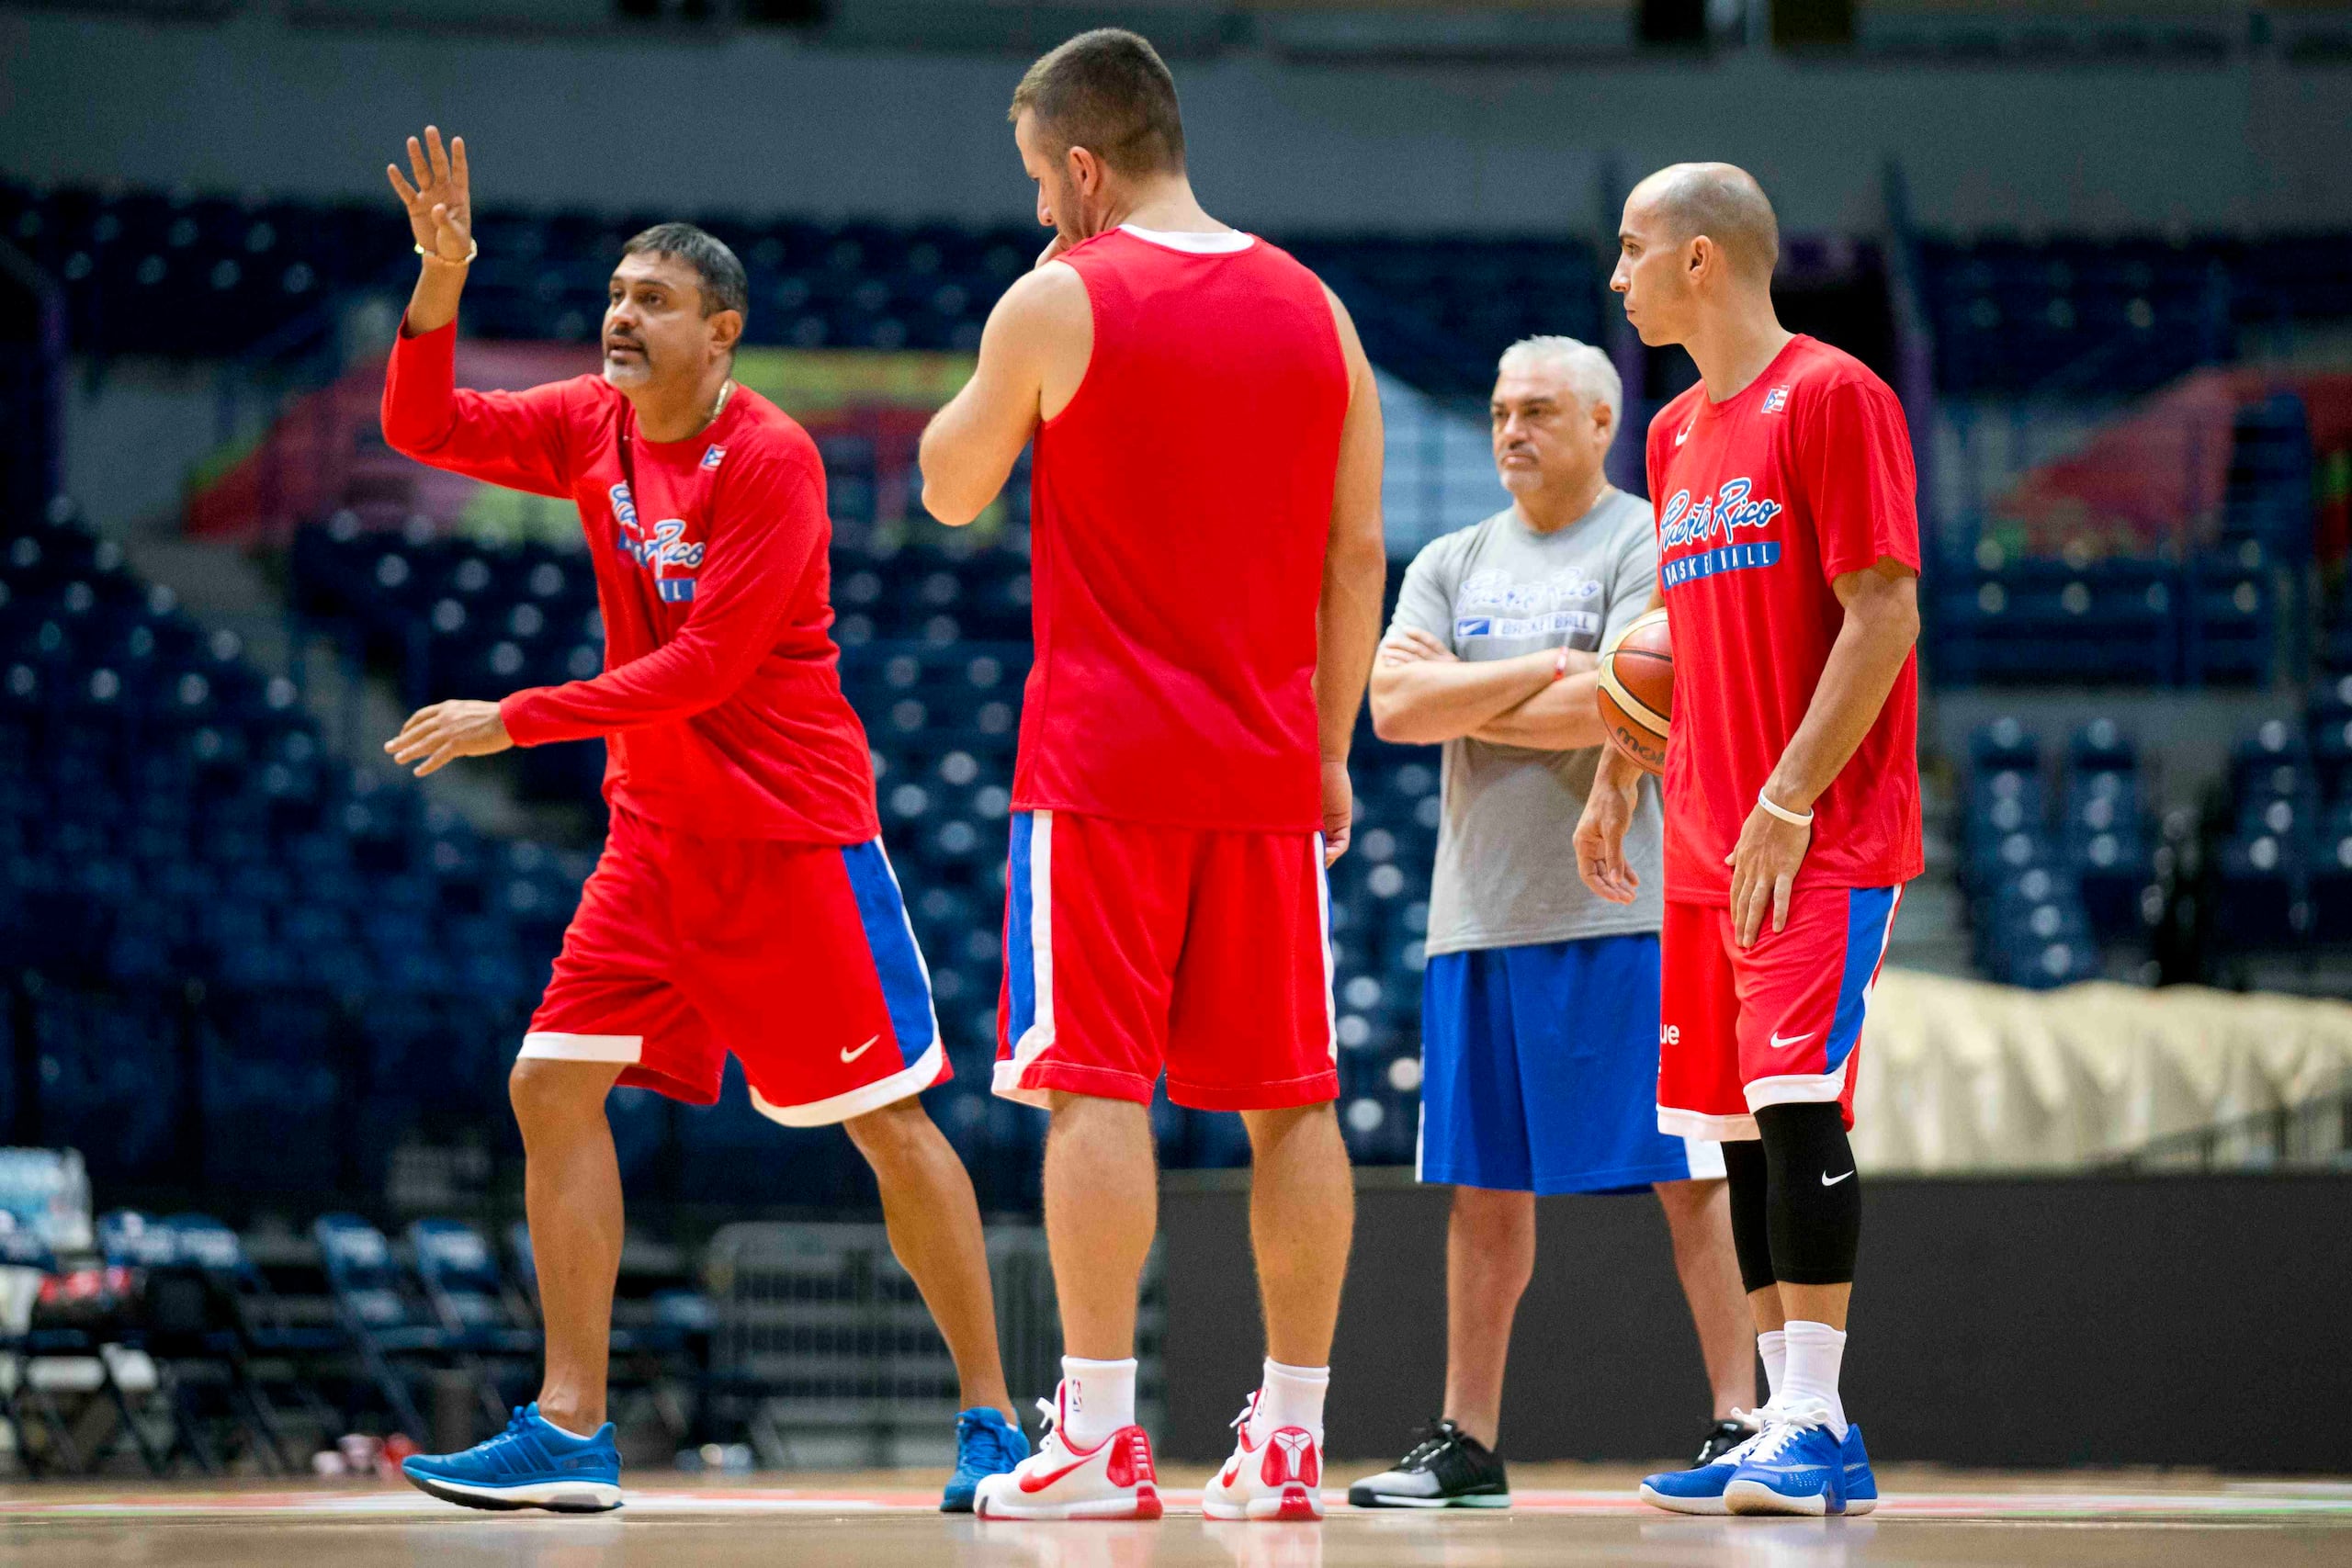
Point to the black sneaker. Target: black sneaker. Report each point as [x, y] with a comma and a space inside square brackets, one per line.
[1446, 1467]
[1721, 1438]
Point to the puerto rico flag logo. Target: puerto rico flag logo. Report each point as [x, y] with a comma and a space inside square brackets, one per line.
[1714, 524]
[1776, 401]
[714, 455]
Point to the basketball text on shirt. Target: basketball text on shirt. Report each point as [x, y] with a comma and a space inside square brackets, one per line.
[1727, 512]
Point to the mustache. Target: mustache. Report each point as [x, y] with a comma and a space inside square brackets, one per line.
[622, 339]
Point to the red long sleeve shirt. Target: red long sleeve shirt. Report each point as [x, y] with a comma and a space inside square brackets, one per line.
[720, 703]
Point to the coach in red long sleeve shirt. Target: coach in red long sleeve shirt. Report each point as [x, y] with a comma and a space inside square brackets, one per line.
[743, 904]
[720, 702]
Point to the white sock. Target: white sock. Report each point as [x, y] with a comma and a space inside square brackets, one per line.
[1098, 1398]
[1815, 1351]
[1773, 1346]
[575, 1437]
[1290, 1396]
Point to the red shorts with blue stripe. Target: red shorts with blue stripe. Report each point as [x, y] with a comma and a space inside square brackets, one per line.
[1131, 947]
[1776, 1023]
[797, 958]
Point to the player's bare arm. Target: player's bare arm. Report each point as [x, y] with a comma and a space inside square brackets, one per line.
[1608, 812]
[439, 195]
[1423, 694]
[1355, 569]
[1032, 357]
[1882, 604]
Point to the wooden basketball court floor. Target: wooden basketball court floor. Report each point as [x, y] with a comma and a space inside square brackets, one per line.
[1565, 1515]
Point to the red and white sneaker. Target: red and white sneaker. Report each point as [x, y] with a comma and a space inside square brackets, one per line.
[1280, 1478]
[1112, 1480]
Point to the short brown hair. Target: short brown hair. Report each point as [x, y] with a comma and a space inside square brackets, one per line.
[1109, 92]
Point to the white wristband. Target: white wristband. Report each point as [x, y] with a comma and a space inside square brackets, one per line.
[472, 250]
[1794, 818]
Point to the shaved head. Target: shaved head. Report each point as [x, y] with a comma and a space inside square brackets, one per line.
[1724, 203]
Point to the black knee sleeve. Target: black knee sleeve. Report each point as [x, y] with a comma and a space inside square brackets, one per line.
[1813, 1210]
[1750, 1238]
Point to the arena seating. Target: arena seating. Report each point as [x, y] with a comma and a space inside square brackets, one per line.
[2201, 605]
[2109, 318]
[172, 273]
[2064, 884]
[170, 816]
[2051, 890]
[2279, 864]
[2146, 621]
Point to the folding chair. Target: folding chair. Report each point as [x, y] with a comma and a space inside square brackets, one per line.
[489, 1325]
[93, 1343]
[25, 1261]
[192, 1329]
[384, 1323]
[274, 1350]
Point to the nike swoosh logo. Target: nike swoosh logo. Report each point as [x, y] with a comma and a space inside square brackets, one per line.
[1684, 435]
[1828, 1181]
[1039, 1483]
[849, 1055]
[1779, 1041]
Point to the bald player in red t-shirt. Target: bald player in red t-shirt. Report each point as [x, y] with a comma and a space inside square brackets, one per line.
[1788, 564]
[1207, 562]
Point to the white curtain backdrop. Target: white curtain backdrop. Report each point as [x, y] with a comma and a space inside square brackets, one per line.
[1961, 1075]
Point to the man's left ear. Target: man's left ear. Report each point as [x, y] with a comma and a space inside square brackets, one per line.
[726, 330]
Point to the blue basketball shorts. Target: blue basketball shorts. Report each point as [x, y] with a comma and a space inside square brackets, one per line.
[1539, 1070]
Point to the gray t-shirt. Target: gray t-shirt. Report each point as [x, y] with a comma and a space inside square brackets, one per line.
[1506, 861]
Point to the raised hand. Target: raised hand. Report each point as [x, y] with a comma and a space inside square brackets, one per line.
[440, 203]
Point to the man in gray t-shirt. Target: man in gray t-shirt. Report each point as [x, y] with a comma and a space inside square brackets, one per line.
[1501, 591]
[1540, 1001]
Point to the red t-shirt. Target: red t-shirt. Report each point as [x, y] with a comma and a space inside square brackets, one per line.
[1762, 499]
[1180, 510]
[720, 704]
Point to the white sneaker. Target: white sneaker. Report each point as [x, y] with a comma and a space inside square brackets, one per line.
[1280, 1478]
[1112, 1480]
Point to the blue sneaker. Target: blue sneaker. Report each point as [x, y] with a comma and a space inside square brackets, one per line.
[529, 1465]
[986, 1444]
[1799, 1466]
[1699, 1489]
[1861, 1487]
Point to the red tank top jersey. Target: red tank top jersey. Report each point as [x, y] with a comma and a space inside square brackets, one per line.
[1180, 508]
[1762, 499]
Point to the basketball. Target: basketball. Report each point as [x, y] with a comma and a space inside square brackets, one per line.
[1636, 692]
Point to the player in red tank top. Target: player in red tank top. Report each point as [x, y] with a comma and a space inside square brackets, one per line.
[1788, 562]
[1207, 561]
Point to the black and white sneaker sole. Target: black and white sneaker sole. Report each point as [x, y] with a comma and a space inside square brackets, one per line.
[555, 1496]
[1358, 1498]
